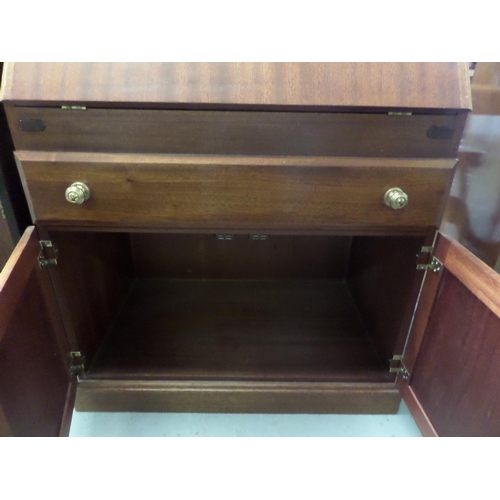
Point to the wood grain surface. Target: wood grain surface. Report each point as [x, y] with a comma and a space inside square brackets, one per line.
[259, 193]
[400, 85]
[93, 275]
[381, 280]
[236, 133]
[237, 397]
[456, 375]
[203, 256]
[15, 275]
[239, 330]
[34, 374]
[482, 281]
[424, 424]
[33, 378]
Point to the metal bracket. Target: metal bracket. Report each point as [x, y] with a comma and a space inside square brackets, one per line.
[258, 237]
[74, 108]
[225, 237]
[434, 265]
[42, 258]
[400, 368]
[77, 362]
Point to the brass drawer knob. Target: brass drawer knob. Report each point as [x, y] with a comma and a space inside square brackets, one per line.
[396, 198]
[77, 193]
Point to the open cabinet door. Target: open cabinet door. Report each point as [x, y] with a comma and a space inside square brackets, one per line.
[453, 352]
[35, 381]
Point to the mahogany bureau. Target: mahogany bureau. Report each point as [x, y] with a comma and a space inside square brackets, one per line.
[230, 237]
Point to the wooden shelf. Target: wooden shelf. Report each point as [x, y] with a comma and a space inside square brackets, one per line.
[275, 330]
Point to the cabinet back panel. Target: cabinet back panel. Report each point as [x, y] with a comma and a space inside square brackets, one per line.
[203, 256]
[94, 272]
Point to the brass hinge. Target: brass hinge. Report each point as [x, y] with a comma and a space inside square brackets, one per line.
[396, 365]
[77, 362]
[433, 263]
[225, 237]
[74, 108]
[42, 257]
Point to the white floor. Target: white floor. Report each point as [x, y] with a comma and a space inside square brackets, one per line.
[237, 425]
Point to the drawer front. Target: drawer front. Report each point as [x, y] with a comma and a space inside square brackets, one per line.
[260, 193]
[236, 133]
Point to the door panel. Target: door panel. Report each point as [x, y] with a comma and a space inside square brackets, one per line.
[34, 356]
[234, 133]
[453, 354]
[457, 374]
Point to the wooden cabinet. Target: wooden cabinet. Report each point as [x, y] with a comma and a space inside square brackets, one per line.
[236, 250]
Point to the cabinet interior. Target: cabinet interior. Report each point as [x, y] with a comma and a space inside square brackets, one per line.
[254, 307]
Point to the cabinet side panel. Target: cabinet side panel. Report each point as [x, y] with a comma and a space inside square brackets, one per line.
[93, 275]
[457, 371]
[382, 278]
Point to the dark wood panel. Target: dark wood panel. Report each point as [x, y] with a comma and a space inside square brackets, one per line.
[203, 256]
[33, 375]
[33, 379]
[240, 397]
[418, 413]
[478, 277]
[15, 275]
[4, 425]
[426, 297]
[7, 244]
[93, 276]
[237, 330]
[384, 283]
[457, 371]
[400, 85]
[236, 133]
[68, 408]
[261, 193]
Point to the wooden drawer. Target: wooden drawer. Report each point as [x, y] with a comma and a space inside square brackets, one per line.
[240, 193]
[376, 134]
